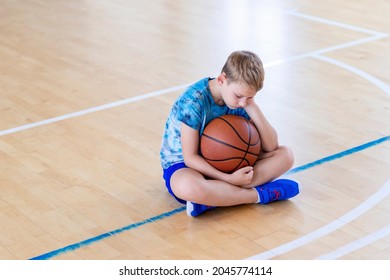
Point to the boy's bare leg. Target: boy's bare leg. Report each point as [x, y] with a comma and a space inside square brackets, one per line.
[190, 185]
[271, 166]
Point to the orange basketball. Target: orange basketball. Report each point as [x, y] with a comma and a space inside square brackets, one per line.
[230, 142]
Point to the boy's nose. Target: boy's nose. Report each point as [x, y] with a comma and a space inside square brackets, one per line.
[242, 103]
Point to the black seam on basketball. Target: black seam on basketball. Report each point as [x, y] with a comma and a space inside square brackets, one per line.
[225, 159]
[229, 145]
[233, 169]
[238, 165]
[247, 144]
[239, 136]
[246, 151]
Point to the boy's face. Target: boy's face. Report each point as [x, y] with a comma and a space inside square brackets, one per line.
[236, 95]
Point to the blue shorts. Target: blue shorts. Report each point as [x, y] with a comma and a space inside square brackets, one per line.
[167, 177]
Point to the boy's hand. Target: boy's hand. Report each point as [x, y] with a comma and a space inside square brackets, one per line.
[242, 176]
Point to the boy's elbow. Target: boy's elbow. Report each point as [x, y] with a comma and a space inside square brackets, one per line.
[274, 142]
[271, 146]
[189, 161]
[269, 149]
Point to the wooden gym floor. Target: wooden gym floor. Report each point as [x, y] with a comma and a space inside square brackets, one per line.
[86, 86]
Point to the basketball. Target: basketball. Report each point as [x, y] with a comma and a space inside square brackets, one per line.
[230, 142]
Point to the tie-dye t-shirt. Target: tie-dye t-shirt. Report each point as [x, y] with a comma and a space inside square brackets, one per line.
[196, 108]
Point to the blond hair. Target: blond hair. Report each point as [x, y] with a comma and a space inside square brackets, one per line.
[244, 67]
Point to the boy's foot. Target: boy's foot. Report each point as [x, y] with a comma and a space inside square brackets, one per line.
[281, 189]
[195, 209]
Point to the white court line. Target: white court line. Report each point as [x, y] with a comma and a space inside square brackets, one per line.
[121, 102]
[179, 87]
[329, 49]
[305, 239]
[93, 109]
[383, 86]
[383, 192]
[110, 105]
[377, 35]
[374, 199]
[335, 23]
[357, 244]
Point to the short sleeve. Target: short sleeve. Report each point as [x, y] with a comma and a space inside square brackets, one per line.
[190, 108]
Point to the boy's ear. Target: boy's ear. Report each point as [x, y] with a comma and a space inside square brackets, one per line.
[221, 78]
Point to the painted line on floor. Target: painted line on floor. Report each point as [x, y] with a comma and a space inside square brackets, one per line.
[356, 245]
[92, 109]
[339, 155]
[375, 36]
[377, 197]
[294, 12]
[100, 237]
[92, 240]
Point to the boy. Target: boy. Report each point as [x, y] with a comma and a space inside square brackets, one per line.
[188, 176]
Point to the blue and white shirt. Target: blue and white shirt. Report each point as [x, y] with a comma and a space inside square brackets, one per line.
[196, 108]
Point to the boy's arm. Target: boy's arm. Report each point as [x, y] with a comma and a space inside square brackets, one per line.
[190, 148]
[268, 135]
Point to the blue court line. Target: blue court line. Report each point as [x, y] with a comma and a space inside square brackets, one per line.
[89, 241]
[339, 155]
[92, 240]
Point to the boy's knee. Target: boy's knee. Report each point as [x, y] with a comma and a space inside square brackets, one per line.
[189, 188]
[288, 155]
